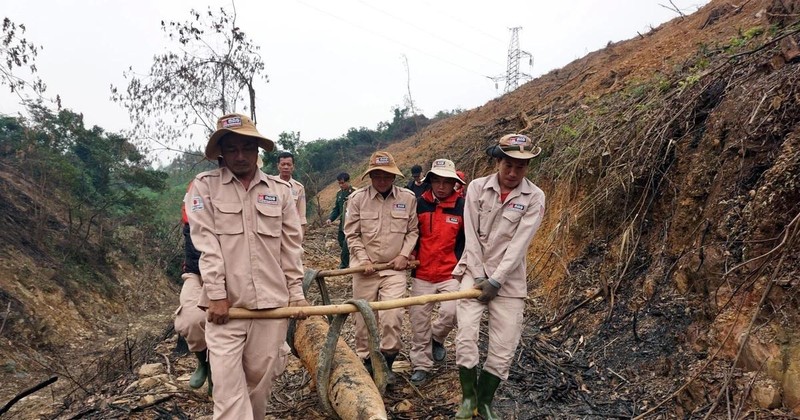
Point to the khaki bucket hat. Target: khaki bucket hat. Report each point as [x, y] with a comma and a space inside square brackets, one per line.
[382, 161]
[445, 168]
[239, 124]
[518, 146]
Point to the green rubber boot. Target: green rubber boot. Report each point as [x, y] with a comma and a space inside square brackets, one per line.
[469, 399]
[487, 385]
[202, 372]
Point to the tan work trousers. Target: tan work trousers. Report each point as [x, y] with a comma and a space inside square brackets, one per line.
[505, 330]
[190, 321]
[246, 356]
[377, 287]
[421, 326]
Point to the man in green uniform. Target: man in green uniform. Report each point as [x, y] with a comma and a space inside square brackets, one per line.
[338, 213]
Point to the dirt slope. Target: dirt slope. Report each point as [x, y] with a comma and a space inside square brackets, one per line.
[667, 266]
[664, 279]
[70, 309]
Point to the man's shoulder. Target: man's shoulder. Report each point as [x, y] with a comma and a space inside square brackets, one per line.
[359, 193]
[297, 183]
[278, 180]
[405, 193]
[212, 173]
[535, 192]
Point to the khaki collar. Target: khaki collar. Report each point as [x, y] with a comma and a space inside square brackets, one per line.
[524, 187]
[374, 193]
[228, 177]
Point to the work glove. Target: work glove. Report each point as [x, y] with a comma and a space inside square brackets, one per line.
[488, 290]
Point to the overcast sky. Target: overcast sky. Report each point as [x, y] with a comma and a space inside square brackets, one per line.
[331, 65]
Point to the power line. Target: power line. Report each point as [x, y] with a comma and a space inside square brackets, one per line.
[513, 75]
[428, 32]
[436, 57]
[474, 28]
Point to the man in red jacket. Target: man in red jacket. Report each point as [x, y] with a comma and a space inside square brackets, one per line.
[441, 241]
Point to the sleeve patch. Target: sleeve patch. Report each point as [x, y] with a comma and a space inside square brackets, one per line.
[197, 204]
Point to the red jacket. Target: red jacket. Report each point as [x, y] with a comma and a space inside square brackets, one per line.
[441, 236]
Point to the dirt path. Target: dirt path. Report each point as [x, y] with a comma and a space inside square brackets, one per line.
[554, 375]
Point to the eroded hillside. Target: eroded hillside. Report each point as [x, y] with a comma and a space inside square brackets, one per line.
[668, 260]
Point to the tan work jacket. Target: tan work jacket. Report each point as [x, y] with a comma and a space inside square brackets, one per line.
[249, 240]
[299, 197]
[497, 234]
[378, 229]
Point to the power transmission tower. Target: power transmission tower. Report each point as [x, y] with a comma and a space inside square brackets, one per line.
[513, 75]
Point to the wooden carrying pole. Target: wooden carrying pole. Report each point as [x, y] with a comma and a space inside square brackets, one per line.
[359, 269]
[346, 308]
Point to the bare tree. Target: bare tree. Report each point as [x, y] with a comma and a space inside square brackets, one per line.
[17, 53]
[215, 67]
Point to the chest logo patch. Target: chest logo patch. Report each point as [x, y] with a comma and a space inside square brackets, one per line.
[268, 199]
[399, 206]
[452, 220]
[197, 204]
[516, 207]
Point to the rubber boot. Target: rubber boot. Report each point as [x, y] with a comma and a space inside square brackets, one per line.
[487, 385]
[202, 372]
[392, 378]
[469, 398]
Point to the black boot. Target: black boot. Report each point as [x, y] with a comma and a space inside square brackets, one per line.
[469, 398]
[210, 383]
[368, 364]
[390, 380]
[438, 350]
[487, 385]
[202, 372]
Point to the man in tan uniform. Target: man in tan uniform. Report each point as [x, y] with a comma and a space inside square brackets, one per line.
[381, 227]
[502, 213]
[285, 171]
[246, 227]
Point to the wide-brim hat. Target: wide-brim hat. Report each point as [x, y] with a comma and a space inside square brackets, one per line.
[518, 146]
[239, 124]
[444, 168]
[382, 161]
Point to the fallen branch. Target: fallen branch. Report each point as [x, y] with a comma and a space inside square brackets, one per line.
[27, 392]
[571, 311]
[150, 404]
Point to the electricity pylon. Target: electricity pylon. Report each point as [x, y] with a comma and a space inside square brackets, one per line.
[513, 75]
